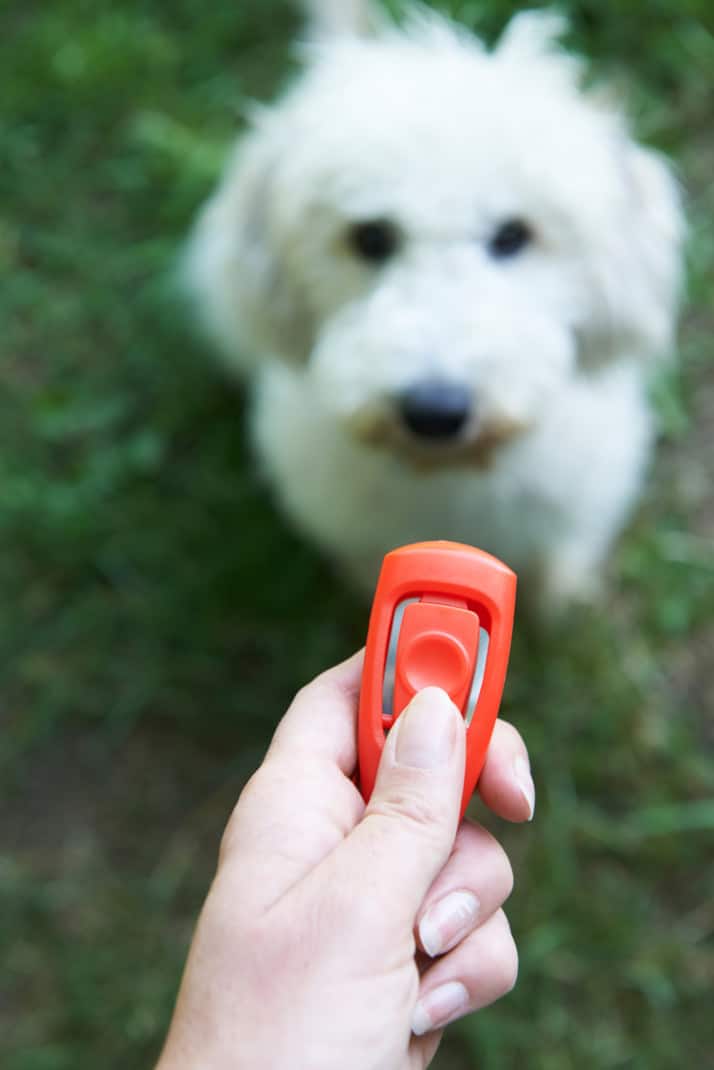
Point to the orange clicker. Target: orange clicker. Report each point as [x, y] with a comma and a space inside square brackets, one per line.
[442, 616]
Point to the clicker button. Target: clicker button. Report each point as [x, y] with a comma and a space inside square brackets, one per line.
[438, 647]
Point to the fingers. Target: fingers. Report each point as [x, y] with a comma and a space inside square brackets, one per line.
[471, 887]
[322, 719]
[300, 803]
[422, 1050]
[506, 785]
[410, 823]
[482, 969]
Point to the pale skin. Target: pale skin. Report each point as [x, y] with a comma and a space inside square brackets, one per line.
[342, 935]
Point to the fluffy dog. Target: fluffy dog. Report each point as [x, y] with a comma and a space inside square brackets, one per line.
[446, 272]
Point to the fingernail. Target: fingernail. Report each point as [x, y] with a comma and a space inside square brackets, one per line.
[524, 780]
[447, 922]
[440, 1007]
[426, 731]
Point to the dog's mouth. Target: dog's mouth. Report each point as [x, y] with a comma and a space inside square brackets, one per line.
[478, 451]
[473, 446]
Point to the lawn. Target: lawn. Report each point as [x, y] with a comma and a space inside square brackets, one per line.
[156, 614]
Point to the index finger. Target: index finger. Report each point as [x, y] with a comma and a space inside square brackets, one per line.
[301, 802]
[322, 719]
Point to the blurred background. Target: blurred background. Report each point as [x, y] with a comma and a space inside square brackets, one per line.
[156, 615]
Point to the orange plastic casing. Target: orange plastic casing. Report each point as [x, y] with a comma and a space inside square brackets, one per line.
[457, 596]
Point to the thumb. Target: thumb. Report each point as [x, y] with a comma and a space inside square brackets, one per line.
[409, 826]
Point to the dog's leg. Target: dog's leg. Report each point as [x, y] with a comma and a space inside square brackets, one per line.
[570, 576]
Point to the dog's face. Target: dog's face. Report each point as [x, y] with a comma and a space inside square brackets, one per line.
[439, 237]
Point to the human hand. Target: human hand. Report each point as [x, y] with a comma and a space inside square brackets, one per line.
[339, 935]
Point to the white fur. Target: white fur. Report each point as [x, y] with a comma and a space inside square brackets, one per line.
[423, 126]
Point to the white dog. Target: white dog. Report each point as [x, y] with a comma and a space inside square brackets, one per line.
[447, 272]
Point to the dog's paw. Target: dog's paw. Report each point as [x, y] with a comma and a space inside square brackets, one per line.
[563, 581]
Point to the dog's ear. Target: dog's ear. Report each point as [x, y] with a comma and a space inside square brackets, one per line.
[532, 39]
[328, 18]
[655, 235]
[636, 264]
[234, 264]
[533, 33]
[662, 232]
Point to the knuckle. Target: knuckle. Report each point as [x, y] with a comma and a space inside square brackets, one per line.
[507, 875]
[508, 744]
[510, 736]
[324, 687]
[303, 697]
[498, 863]
[481, 854]
[505, 963]
[307, 692]
[413, 811]
[251, 801]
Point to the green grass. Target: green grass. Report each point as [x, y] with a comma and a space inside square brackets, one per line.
[149, 642]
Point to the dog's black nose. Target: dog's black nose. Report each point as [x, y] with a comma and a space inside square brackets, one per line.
[436, 409]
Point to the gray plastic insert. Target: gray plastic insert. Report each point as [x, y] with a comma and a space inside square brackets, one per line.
[390, 668]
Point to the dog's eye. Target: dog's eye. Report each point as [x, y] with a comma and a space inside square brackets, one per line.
[510, 239]
[375, 240]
